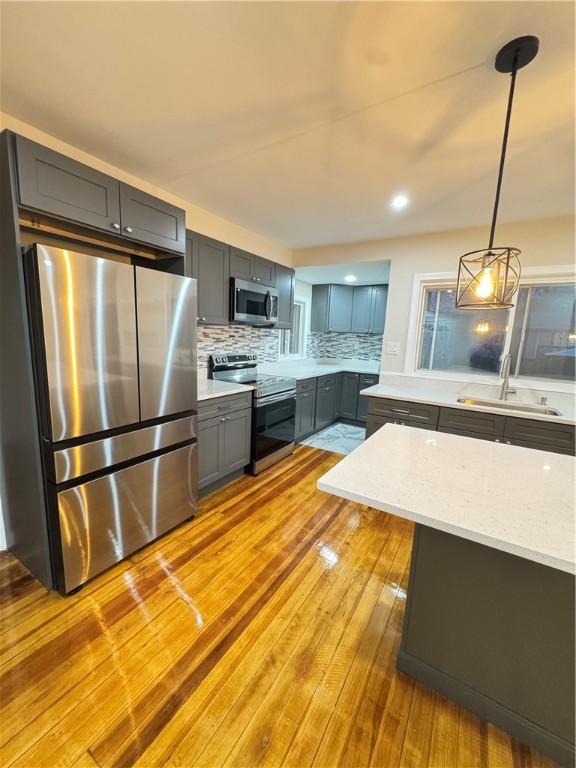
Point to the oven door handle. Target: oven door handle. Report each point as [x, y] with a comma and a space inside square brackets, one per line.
[289, 395]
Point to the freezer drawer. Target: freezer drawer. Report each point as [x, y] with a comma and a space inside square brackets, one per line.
[166, 342]
[89, 342]
[105, 520]
[70, 463]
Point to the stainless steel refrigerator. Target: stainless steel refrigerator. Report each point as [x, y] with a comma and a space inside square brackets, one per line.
[114, 351]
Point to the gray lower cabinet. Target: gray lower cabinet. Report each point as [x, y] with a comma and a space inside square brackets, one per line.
[305, 413]
[151, 220]
[349, 399]
[285, 279]
[365, 380]
[58, 185]
[248, 266]
[327, 408]
[63, 187]
[208, 261]
[512, 430]
[224, 429]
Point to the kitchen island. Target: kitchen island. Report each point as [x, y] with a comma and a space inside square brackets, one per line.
[489, 619]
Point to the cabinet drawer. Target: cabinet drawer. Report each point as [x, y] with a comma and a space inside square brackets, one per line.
[472, 421]
[475, 435]
[306, 385]
[327, 380]
[400, 409]
[374, 423]
[544, 434]
[368, 380]
[216, 406]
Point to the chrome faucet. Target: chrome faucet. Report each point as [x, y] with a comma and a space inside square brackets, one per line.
[505, 390]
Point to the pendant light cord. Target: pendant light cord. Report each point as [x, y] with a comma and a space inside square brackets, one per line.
[503, 155]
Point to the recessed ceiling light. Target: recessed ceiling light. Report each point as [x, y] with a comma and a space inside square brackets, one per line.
[350, 278]
[399, 202]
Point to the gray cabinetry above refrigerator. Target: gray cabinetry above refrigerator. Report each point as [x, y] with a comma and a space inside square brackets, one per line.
[60, 186]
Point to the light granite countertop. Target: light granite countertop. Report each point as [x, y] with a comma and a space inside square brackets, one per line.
[209, 388]
[517, 500]
[312, 367]
[446, 394]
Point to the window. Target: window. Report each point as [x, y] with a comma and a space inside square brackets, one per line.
[292, 342]
[539, 332]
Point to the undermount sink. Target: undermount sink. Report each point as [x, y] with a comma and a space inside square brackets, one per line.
[506, 405]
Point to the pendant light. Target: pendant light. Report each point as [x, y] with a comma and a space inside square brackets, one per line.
[489, 278]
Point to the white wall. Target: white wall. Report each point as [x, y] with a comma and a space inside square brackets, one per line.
[542, 242]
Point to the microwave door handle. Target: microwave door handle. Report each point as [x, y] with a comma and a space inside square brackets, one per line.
[268, 305]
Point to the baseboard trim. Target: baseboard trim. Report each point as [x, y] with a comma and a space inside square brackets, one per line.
[524, 730]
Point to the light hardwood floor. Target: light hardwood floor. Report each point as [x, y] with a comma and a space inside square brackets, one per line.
[262, 633]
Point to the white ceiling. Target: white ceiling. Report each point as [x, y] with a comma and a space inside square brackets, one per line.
[301, 120]
[366, 272]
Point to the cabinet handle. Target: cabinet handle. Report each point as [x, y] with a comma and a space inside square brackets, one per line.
[203, 319]
[115, 225]
[222, 420]
[128, 229]
[508, 442]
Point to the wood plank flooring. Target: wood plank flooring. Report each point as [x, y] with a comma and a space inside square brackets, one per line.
[264, 633]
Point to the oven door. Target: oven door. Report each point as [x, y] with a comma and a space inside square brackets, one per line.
[274, 428]
[253, 304]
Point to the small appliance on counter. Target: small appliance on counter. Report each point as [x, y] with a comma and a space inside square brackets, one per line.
[274, 407]
[253, 304]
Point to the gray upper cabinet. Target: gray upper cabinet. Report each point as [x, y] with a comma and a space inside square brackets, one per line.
[331, 308]
[378, 308]
[248, 266]
[361, 309]
[285, 284]
[58, 185]
[63, 187]
[208, 261]
[343, 308]
[151, 220]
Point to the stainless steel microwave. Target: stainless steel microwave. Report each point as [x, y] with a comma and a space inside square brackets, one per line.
[253, 304]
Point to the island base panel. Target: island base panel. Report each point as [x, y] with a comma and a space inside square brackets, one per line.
[495, 633]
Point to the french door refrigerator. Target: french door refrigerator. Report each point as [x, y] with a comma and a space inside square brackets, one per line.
[114, 351]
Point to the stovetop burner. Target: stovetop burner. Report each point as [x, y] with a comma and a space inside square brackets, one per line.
[243, 369]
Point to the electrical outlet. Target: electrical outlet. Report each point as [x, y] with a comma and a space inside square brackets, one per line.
[392, 347]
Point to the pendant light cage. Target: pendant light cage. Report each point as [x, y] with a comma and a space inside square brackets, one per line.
[488, 278]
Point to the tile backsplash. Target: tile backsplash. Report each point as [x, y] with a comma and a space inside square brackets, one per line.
[358, 346]
[211, 339]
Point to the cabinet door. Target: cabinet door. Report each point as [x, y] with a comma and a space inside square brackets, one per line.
[151, 220]
[209, 449]
[365, 380]
[285, 285]
[264, 271]
[325, 407]
[235, 445]
[308, 413]
[241, 264]
[211, 266]
[378, 308]
[51, 182]
[349, 399]
[361, 309]
[340, 308]
[319, 310]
